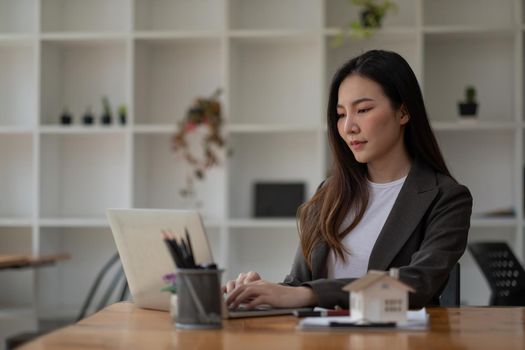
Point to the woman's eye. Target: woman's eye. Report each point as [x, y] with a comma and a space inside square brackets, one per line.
[363, 110]
[340, 115]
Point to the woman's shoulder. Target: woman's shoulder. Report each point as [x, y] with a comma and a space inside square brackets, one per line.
[448, 185]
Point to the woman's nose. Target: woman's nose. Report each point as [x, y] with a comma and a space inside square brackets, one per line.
[350, 126]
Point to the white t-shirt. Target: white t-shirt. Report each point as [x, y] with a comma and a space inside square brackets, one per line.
[360, 241]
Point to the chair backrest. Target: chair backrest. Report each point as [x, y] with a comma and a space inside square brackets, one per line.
[112, 275]
[503, 272]
[451, 293]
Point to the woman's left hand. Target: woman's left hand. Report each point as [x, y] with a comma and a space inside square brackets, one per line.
[276, 295]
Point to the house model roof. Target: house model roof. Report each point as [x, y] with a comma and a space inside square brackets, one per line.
[372, 278]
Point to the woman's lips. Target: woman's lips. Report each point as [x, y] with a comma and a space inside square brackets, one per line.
[357, 145]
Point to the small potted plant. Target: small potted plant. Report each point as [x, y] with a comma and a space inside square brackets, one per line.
[66, 118]
[106, 115]
[87, 118]
[371, 15]
[122, 114]
[469, 107]
[170, 279]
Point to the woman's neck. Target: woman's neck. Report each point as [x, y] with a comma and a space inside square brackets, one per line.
[389, 169]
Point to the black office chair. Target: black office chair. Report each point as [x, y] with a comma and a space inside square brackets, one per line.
[451, 293]
[503, 272]
[112, 273]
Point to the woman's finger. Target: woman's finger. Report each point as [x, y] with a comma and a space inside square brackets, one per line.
[230, 285]
[247, 292]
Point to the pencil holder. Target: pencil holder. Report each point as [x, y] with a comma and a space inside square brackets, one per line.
[199, 299]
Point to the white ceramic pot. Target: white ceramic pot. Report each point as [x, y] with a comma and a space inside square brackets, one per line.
[173, 307]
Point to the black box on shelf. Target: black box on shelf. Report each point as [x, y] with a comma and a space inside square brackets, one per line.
[278, 199]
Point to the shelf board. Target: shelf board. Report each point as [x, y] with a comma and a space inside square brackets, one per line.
[450, 31]
[239, 128]
[154, 128]
[493, 222]
[273, 34]
[78, 129]
[262, 223]
[16, 129]
[10, 312]
[475, 125]
[83, 37]
[167, 35]
[15, 222]
[383, 31]
[16, 39]
[73, 222]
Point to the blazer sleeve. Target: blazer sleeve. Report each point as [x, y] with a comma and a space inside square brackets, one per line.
[444, 242]
[328, 291]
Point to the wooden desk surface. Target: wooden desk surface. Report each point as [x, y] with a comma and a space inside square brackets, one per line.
[17, 261]
[124, 326]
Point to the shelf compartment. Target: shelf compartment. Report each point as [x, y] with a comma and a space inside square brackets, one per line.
[17, 85]
[275, 14]
[17, 187]
[82, 175]
[490, 182]
[402, 43]
[175, 15]
[76, 75]
[249, 249]
[480, 13]
[18, 16]
[454, 61]
[16, 284]
[159, 175]
[272, 158]
[280, 70]
[89, 248]
[341, 12]
[171, 74]
[85, 16]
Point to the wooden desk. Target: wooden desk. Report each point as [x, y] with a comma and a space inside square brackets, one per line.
[124, 326]
[18, 261]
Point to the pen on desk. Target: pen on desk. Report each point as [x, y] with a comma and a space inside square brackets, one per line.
[321, 313]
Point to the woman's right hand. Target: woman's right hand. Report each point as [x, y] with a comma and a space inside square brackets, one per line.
[243, 278]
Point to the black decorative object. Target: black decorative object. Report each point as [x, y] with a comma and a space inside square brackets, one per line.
[88, 118]
[106, 116]
[66, 118]
[469, 107]
[278, 199]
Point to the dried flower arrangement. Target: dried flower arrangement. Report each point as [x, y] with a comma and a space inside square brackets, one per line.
[203, 123]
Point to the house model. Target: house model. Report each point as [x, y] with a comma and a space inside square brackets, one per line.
[378, 297]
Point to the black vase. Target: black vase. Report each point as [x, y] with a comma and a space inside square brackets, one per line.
[122, 119]
[66, 119]
[468, 109]
[88, 119]
[106, 119]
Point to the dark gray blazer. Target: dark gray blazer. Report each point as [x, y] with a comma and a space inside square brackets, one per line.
[424, 236]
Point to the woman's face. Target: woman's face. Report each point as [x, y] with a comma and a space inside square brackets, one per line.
[370, 126]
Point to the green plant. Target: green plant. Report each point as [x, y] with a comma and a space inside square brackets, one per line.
[106, 106]
[122, 110]
[470, 94]
[372, 13]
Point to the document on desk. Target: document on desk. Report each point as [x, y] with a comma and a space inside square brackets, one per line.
[416, 321]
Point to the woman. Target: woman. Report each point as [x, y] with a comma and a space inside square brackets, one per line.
[389, 202]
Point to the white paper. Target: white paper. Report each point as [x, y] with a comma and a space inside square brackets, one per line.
[416, 321]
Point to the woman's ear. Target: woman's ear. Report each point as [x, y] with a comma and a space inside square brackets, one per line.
[404, 117]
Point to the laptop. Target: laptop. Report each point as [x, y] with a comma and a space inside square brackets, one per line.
[145, 258]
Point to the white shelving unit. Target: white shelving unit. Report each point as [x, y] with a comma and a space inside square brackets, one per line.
[274, 61]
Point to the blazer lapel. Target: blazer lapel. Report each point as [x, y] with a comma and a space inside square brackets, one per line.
[416, 195]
